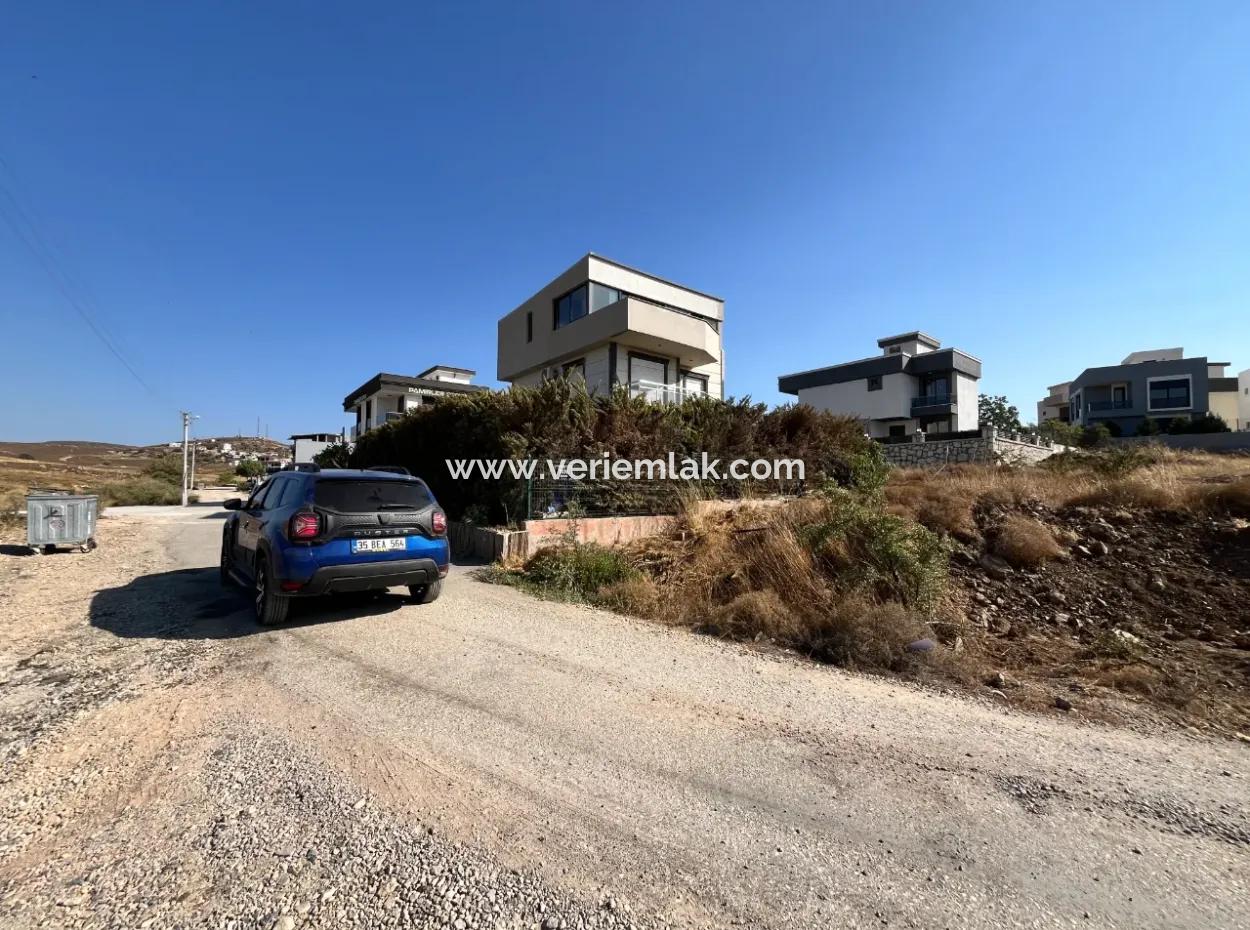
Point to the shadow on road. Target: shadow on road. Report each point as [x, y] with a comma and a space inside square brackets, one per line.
[190, 603]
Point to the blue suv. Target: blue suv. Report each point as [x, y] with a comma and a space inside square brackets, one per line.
[307, 531]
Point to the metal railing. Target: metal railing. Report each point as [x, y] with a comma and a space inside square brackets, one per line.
[931, 400]
[662, 393]
[1108, 405]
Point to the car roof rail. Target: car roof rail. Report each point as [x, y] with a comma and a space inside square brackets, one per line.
[393, 469]
[301, 466]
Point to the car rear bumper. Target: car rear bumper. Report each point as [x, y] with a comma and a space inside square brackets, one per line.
[364, 576]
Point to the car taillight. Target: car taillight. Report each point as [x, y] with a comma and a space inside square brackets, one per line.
[305, 526]
[439, 522]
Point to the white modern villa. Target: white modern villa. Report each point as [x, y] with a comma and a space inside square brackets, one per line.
[613, 326]
[914, 384]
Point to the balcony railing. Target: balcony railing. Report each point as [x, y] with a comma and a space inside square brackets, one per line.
[1095, 405]
[931, 400]
[661, 393]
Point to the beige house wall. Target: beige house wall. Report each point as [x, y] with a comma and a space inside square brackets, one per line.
[689, 340]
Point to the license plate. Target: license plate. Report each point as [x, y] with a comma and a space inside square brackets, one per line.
[380, 545]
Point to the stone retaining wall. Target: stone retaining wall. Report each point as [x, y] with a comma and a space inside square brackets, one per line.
[989, 448]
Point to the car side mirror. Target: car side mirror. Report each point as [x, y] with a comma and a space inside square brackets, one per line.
[233, 503]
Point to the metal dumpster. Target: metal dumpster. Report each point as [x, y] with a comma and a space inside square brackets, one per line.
[58, 518]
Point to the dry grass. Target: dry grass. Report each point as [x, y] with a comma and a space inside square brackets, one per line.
[1154, 478]
[1025, 542]
[837, 579]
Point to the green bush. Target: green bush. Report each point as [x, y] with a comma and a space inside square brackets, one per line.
[250, 468]
[335, 455]
[1148, 427]
[166, 469]
[1066, 434]
[866, 550]
[1094, 436]
[559, 419]
[577, 570]
[139, 491]
[1207, 423]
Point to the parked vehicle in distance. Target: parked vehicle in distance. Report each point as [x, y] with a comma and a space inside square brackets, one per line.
[306, 531]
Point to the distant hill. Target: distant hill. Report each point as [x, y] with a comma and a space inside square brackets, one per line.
[64, 450]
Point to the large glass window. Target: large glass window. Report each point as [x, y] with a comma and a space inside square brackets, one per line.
[601, 295]
[570, 307]
[1169, 395]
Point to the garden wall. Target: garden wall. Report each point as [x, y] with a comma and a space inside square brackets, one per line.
[988, 448]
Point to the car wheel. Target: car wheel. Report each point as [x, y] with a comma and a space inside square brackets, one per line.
[426, 593]
[271, 608]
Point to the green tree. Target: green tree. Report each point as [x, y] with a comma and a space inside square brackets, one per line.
[250, 468]
[993, 410]
[1066, 434]
[335, 455]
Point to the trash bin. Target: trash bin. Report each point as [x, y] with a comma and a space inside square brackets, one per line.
[58, 518]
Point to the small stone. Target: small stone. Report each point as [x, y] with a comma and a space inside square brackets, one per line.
[285, 922]
[1063, 703]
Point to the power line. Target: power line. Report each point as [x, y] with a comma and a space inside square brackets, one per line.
[63, 281]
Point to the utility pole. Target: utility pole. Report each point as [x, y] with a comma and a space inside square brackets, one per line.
[186, 432]
[187, 417]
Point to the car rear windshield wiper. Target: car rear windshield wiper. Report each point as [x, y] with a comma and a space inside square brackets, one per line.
[398, 507]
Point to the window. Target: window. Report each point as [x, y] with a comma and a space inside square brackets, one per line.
[601, 295]
[647, 368]
[895, 350]
[529, 326]
[1119, 394]
[570, 307]
[368, 412]
[896, 431]
[575, 369]
[874, 382]
[399, 404]
[369, 496]
[692, 383]
[1169, 394]
[257, 500]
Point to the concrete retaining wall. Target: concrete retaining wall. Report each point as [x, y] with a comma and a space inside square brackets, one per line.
[606, 531]
[486, 543]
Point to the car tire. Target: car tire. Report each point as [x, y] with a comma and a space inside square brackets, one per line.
[426, 593]
[270, 607]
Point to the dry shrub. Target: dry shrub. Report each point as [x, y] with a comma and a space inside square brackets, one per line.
[637, 595]
[1158, 493]
[753, 614]
[1136, 679]
[1232, 499]
[1025, 542]
[867, 635]
[942, 506]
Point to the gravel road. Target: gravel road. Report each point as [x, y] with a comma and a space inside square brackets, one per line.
[494, 761]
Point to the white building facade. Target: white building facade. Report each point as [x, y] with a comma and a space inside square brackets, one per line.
[616, 326]
[914, 384]
[386, 397]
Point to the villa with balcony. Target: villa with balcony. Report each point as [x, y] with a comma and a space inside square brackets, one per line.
[611, 326]
[1157, 384]
[1054, 406]
[386, 397]
[914, 384]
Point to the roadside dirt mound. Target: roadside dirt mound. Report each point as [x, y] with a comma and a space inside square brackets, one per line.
[1127, 607]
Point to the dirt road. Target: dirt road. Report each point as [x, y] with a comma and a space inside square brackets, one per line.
[492, 760]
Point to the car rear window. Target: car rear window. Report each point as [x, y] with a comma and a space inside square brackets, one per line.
[354, 495]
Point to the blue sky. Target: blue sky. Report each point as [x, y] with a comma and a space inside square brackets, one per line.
[265, 204]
